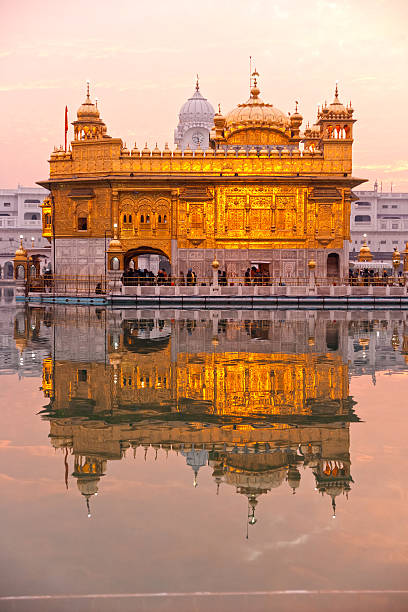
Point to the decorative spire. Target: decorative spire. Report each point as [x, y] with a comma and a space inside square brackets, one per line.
[87, 90]
[66, 467]
[296, 106]
[197, 83]
[254, 84]
[336, 93]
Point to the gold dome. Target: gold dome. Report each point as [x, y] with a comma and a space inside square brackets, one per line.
[256, 113]
[88, 109]
[115, 245]
[365, 253]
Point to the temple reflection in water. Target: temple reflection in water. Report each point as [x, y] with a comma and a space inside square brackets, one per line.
[256, 397]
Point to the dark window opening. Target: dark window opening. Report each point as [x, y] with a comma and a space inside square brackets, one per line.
[362, 219]
[82, 223]
[82, 375]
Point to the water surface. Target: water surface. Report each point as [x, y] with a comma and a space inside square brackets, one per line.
[238, 454]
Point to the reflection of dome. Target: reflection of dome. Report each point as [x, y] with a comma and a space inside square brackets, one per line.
[262, 481]
[196, 459]
[293, 478]
[88, 486]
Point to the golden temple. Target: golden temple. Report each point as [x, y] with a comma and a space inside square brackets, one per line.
[262, 194]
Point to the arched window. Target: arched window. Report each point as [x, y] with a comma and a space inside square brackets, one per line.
[160, 219]
[115, 263]
[124, 219]
[47, 220]
[130, 218]
[147, 218]
[362, 219]
[165, 219]
[20, 272]
[142, 219]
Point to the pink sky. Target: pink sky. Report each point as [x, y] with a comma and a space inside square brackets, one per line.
[142, 58]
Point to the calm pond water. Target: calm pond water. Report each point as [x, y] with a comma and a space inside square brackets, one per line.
[203, 460]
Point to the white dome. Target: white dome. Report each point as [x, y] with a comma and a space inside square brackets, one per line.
[197, 109]
[196, 113]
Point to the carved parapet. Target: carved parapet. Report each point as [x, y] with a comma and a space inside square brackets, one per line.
[111, 157]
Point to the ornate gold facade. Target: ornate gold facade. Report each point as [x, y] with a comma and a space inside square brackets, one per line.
[256, 195]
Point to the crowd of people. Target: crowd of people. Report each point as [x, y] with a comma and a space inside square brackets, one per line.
[134, 277]
[254, 276]
[368, 277]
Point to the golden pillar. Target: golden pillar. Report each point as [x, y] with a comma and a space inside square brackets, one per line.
[405, 261]
[396, 260]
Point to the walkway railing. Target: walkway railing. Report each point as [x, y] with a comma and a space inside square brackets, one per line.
[68, 284]
[98, 284]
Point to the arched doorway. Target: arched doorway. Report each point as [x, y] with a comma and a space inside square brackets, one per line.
[147, 261]
[333, 265]
[8, 270]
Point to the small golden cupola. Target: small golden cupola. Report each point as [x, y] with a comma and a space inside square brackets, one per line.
[256, 122]
[89, 125]
[365, 253]
[336, 120]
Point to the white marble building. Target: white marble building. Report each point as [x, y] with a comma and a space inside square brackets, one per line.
[20, 215]
[384, 218]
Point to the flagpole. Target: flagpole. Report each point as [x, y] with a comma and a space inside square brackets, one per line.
[66, 126]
